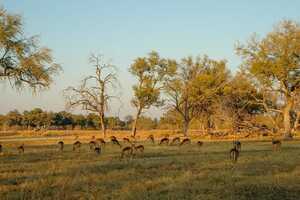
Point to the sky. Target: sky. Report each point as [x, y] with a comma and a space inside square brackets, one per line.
[124, 30]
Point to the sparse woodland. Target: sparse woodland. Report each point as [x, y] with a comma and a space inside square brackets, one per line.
[196, 92]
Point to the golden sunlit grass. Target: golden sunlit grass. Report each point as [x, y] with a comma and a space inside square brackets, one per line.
[163, 172]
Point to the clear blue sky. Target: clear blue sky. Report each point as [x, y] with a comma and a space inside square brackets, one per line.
[124, 30]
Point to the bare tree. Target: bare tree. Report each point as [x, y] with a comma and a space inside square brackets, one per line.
[93, 94]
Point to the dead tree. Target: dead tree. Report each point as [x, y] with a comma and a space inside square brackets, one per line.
[93, 94]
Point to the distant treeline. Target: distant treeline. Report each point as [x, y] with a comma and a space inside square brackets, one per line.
[37, 119]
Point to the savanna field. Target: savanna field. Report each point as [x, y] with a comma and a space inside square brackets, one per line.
[161, 172]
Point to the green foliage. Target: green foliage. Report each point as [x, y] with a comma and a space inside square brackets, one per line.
[22, 60]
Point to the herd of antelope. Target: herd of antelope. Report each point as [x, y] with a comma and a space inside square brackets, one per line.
[132, 148]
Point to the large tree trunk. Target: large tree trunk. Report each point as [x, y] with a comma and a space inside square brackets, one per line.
[103, 127]
[287, 118]
[133, 132]
[186, 124]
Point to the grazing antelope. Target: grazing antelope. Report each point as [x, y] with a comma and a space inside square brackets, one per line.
[76, 145]
[185, 141]
[276, 145]
[97, 150]
[199, 143]
[92, 145]
[21, 149]
[115, 141]
[151, 138]
[112, 137]
[164, 140]
[125, 139]
[234, 154]
[61, 145]
[237, 144]
[101, 141]
[175, 140]
[127, 151]
[139, 148]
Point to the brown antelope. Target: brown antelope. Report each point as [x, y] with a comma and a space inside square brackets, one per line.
[237, 144]
[139, 148]
[151, 138]
[125, 139]
[61, 145]
[164, 140]
[97, 150]
[234, 154]
[115, 141]
[113, 137]
[76, 145]
[185, 141]
[21, 148]
[92, 145]
[175, 140]
[199, 143]
[127, 151]
[101, 141]
[276, 145]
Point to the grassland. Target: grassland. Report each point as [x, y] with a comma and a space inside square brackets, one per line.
[162, 172]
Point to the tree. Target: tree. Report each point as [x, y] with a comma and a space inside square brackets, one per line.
[274, 64]
[150, 71]
[195, 87]
[22, 60]
[94, 94]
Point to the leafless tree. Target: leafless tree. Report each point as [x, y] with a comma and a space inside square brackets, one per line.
[95, 91]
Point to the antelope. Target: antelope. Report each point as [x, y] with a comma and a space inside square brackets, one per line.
[115, 141]
[76, 145]
[127, 150]
[276, 144]
[185, 141]
[21, 148]
[101, 141]
[140, 148]
[234, 154]
[151, 138]
[125, 139]
[175, 140]
[61, 145]
[237, 144]
[97, 150]
[92, 145]
[199, 143]
[112, 137]
[164, 140]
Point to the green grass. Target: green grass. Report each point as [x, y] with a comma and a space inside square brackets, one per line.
[161, 173]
